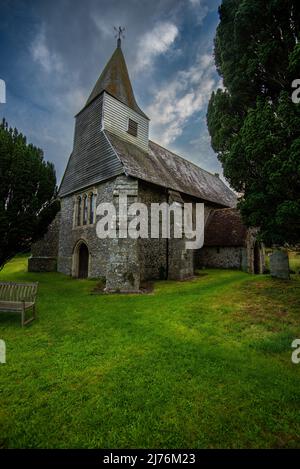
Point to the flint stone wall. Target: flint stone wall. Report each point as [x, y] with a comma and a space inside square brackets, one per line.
[44, 251]
[125, 263]
[222, 257]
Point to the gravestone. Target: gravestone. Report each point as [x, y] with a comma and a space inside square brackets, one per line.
[2, 351]
[279, 265]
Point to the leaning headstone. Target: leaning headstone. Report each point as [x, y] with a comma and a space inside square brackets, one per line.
[279, 265]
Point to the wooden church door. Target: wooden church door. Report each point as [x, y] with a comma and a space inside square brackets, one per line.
[83, 269]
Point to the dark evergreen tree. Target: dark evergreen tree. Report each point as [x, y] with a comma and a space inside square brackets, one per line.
[28, 200]
[253, 123]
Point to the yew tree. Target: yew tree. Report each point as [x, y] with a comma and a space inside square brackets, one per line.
[253, 122]
[28, 200]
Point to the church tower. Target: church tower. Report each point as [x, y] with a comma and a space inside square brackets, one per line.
[96, 173]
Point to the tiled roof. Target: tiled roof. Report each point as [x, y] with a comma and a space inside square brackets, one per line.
[225, 228]
[162, 167]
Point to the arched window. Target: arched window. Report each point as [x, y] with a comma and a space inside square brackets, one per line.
[92, 201]
[78, 221]
[85, 209]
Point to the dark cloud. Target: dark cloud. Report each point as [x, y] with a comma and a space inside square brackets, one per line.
[54, 52]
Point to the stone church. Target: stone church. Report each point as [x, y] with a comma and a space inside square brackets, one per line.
[112, 156]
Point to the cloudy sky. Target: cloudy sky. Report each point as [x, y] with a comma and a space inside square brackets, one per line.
[52, 53]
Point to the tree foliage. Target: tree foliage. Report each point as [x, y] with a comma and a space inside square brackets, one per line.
[27, 193]
[253, 123]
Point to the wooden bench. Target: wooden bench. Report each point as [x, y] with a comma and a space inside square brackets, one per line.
[18, 298]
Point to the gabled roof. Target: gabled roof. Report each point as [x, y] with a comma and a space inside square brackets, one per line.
[162, 167]
[225, 227]
[115, 80]
[102, 155]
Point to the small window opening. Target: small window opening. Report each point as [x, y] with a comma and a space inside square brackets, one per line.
[85, 209]
[79, 211]
[132, 127]
[92, 208]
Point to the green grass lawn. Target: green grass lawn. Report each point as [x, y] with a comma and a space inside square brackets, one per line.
[201, 364]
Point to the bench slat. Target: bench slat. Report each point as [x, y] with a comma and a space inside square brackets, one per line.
[18, 291]
[18, 297]
[15, 305]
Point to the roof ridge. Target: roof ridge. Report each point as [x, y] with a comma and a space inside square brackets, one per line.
[226, 208]
[124, 140]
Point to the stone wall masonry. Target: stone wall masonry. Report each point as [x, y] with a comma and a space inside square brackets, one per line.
[221, 257]
[44, 252]
[125, 263]
[42, 264]
[153, 256]
[115, 259]
[161, 257]
[69, 236]
[251, 246]
[181, 260]
[123, 266]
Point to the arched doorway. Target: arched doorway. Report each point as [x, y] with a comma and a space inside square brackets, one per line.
[256, 259]
[80, 260]
[83, 261]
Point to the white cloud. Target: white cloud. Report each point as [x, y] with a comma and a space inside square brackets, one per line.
[73, 100]
[181, 99]
[102, 25]
[200, 10]
[50, 61]
[154, 43]
[66, 95]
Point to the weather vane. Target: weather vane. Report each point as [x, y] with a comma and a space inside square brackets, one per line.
[119, 33]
